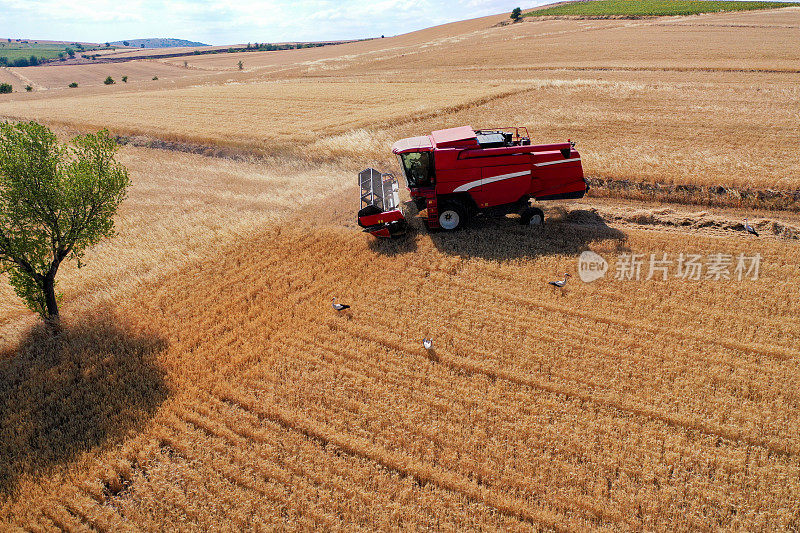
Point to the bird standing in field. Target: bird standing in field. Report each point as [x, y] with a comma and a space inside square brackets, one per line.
[427, 343]
[338, 307]
[749, 229]
[560, 283]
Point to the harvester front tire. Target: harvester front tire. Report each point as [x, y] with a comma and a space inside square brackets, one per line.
[452, 216]
[532, 216]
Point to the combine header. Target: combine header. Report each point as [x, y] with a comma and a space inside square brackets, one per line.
[458, 173]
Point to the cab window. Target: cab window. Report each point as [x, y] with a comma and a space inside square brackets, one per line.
[418, 168]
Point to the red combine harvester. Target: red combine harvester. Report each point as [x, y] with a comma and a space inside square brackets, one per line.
[458, 173]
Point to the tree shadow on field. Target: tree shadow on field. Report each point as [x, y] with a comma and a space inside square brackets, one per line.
[60, 395]
[498, 239]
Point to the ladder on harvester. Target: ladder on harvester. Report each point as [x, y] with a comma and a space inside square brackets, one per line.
[380, 212]
[379, 189]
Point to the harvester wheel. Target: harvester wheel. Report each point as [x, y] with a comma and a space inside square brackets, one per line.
[532, 216]
[452, 216]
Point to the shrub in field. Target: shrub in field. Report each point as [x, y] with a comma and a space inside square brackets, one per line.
[155, 78]
[73, 84]
[28, 88]
[56, 200]
[109, 81]
[241, 65]
[5, 88]
[124, 79]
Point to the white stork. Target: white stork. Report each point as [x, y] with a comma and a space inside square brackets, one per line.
[338, 307]
[560, 283]
[427, 343]
[749, 229]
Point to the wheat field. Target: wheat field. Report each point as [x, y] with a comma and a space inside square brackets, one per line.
[203, 381]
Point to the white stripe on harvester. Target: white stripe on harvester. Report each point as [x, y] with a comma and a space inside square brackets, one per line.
[485, 181]
[556, 162]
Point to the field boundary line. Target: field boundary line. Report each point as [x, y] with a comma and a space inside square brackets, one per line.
[706, 195]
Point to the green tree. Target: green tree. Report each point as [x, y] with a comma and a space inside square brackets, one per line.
[241, 65]
[516, 14]
[28, 88]
[124, 79]
[73, 84]
[126, 43]
[56, 200]
[5, 88]
[109, 81]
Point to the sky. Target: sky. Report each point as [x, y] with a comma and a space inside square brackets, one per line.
[218, 22]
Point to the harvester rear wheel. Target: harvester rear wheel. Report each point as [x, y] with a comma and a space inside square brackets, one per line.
[532, 216]
[452, 216]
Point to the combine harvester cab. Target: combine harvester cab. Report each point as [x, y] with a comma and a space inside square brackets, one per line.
[460, 172]
[380, 212]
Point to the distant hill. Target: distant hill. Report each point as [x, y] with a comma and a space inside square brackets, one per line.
[157, 43]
